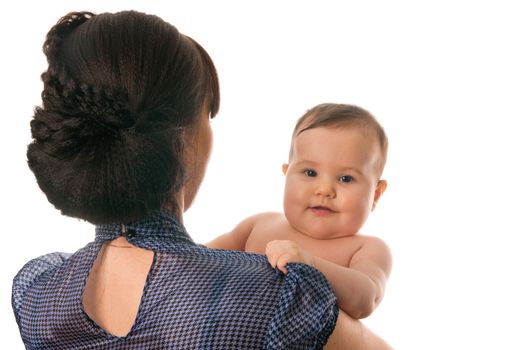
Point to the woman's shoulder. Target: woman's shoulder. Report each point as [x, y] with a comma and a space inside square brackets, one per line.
[297, 310]
[305, 307]
[308, 300]
[31, 272]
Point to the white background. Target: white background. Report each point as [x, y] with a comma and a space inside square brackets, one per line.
[447, 79]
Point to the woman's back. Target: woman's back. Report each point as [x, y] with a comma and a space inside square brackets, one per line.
[193, 298]
[114, 287]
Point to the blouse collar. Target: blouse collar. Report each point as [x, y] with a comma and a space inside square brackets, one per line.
[161, 225]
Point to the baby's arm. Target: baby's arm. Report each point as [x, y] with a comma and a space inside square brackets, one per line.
[236, 239]
[359, 287]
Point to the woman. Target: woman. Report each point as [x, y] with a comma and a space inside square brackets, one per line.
[122, 140]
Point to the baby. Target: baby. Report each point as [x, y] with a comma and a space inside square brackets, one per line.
[333, 182]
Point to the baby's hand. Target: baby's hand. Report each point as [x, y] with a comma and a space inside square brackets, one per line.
[280, 253]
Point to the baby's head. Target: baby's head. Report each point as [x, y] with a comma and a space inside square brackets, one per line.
[333, 178]
[344, 116]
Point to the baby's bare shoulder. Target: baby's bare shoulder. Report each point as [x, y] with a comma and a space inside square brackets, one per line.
[361, 245]
[371, 240]
[268, 215]
[372, 249]
[366, 242]
[368, 239]
[258, 219]
[267, 227]
[356, 240]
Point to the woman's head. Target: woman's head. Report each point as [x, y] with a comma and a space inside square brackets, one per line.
[124, 97]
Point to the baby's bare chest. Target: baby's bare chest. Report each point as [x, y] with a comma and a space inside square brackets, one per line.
[338, 250]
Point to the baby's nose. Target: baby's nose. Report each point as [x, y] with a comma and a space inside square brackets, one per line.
[325, 189]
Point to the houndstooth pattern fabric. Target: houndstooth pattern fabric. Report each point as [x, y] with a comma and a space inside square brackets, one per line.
[194, 297]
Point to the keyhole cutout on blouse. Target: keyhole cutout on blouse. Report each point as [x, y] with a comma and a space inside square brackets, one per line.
[115, 285]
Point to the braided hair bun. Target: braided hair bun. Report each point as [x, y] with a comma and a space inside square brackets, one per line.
[118, 92]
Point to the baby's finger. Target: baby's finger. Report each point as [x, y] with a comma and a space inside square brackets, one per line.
[282, 261]
[272, 259]
[273, 246]
[273, 251]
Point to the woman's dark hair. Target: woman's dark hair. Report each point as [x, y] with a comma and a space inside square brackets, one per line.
[119, 91]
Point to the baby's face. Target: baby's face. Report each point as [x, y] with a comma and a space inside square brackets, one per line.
[331, 181]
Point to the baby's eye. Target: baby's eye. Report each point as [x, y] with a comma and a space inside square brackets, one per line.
[310, 172]
[346, 178]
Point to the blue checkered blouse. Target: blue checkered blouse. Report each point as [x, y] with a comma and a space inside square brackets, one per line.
[194, 297]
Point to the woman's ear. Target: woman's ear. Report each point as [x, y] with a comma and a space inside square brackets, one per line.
[380, 188]
[284, 168]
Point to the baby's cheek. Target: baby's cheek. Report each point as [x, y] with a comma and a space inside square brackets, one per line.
[356, 219]
[293, 198]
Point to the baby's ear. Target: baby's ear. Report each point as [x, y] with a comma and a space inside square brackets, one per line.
[380, 188]
[284, 168]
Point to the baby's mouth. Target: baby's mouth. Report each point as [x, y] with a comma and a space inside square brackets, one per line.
[320, 210]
